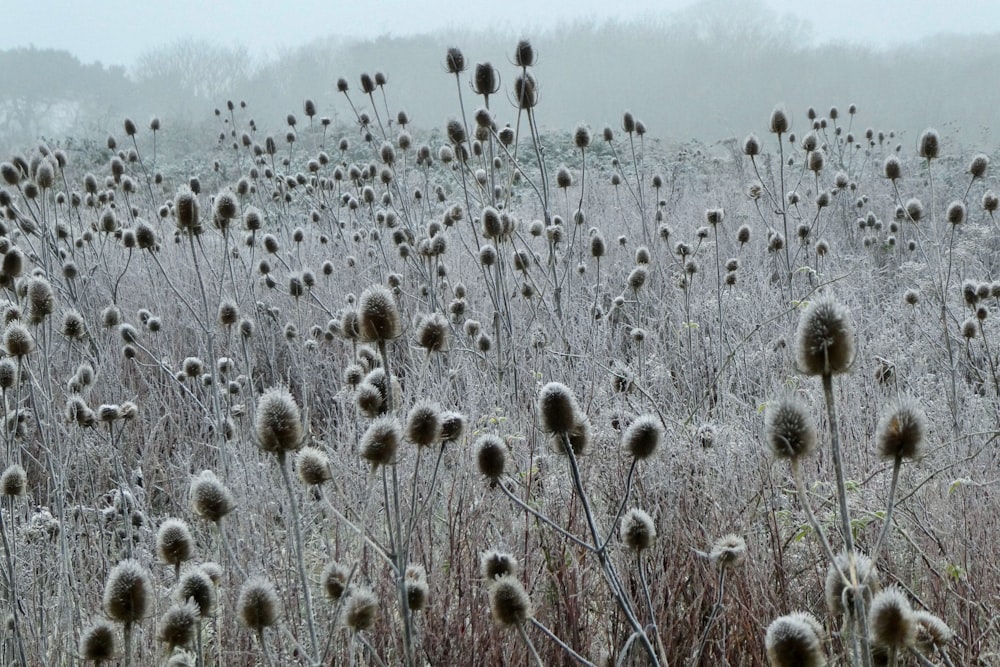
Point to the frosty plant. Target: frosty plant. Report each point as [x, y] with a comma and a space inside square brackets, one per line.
[873, 624]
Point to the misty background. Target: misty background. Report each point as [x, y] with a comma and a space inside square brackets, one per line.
[706, 74]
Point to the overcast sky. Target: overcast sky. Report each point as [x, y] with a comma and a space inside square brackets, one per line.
[118, 31]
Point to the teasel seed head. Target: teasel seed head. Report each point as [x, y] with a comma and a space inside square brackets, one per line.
[178, 625]
[891, 621]
[196, 586]
[778, 123]
[491, 456]
[452, 426]
[557, 407]
[642, 437]
[929, 145]
[334, 580]
[210, 499]
[423, 423]
[128, 592]
[97, 642]
[454, 61]
[381, 441]
[17, 341]
[378, 314]
[495, 564]
[578, 436]
[186, 210]
[789, 429]
[257, 605]
[509, 602]
[835, 585]
[8, 374]
[637, 530]
[901, 430]
[174, 543]
[279, 422]
[433, 333]
[892, 168]
[955, 213]
[415, 582]
[825, 338]
[313, 466]
[792, 641]
[932, 632]
[728, 551]
[13, 481]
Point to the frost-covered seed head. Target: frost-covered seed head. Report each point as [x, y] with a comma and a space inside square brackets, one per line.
[825, 338]
[128, 592]
[901, 430]
[312, 466]
[257, 605]
[642, 437]
[792, 642]
[279, 422]
[789, 429]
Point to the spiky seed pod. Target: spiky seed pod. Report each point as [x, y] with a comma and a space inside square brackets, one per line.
[312, 466]
[360, 609]
[509, 602]
[210, 499]
[728, 551]
[900, 432]
[186, 210]
[369, 399]
[279, 422]
[178, 625]
[423, 423]
[257, 605]
[12, 263]
[334, 580]
[378, 314]
[932, 632]
[381, 441]
[13, 481]
[72, 326]
[793, 642]
[111, 316]
[227, 206]
[454, 61]
[8, 374]
[108, 412]
[491, 456]
[495, 564]
[433, 333]
[789, 429]
[41, 301]
[890, 619]
[524, 54]
[193, 367]
[415, 582]
[892, 168]
[452, 426]
[955, 214]
[525, 91]
[929, 146]
[835, 585]
[977, 168]
[97, 643]
[642, 437]
[637, 530]
[778, 123]
[174, 543]
[196, 586]
[637, 278]
[825, 338]
[557, 408]
[17, 340]
[990, 202]
[228, 314]
[128, 592]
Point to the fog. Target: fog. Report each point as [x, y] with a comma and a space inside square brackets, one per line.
[704, 75]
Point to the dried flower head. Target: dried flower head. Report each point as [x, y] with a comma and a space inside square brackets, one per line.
[13, 481]
[17, 340]
[891, 621]
[789, 429]
[97, 643]
[177, 627]
[792, 641]
[334, 580]
[900, 432]
[452, 426]
[423, 423]
[433, 333]
[932, 632]
[174, 543]
[258, 604]
[835, 587]
[279, 422]
[928, 146]
[491, 456]
[494, 564]
[360, 609]
[557, 408]
[313, 466]
[779, 120]
[728, 551]
[509, 602]
[642, 437]
[415, 583]
[210, 499]
[128, 592]
[381, 440]
[637, 530]
[825, 338]
[196, 586]
[378, 314]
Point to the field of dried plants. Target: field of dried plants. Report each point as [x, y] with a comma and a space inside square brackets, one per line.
[493, 394]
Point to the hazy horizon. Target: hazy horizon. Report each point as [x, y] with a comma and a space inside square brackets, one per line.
[124, 36]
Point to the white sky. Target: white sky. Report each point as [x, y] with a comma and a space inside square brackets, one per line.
[118, 31]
